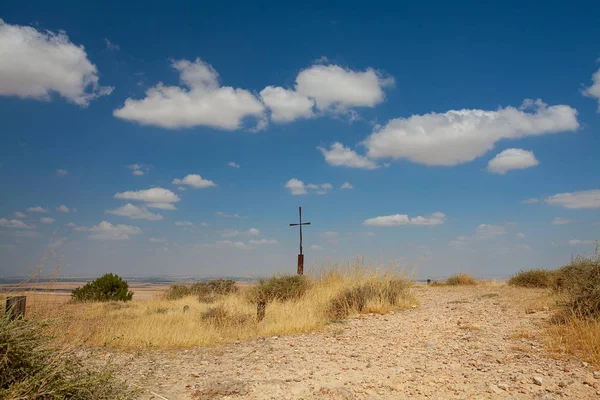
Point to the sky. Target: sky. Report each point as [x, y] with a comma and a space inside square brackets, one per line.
[152, 141]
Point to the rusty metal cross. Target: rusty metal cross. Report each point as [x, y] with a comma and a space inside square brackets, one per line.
[301, 255]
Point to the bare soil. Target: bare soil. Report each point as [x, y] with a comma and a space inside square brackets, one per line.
[483, 342]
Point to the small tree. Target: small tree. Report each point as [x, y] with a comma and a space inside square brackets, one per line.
[109, 287]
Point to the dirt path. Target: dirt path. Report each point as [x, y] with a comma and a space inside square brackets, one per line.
[461, 343]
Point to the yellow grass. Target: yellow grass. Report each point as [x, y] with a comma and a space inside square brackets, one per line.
[157, 322]
[580, 337]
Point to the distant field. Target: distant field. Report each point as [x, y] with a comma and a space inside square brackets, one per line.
[63, 289]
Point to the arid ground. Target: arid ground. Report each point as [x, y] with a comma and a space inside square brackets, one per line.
[483, 342]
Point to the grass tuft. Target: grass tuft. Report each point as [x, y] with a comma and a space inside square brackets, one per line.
[533, 278]
[460, 279]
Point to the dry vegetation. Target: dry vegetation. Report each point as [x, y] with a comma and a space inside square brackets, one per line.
[224, 313]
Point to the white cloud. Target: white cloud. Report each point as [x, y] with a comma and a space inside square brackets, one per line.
[225, 215]
[316, 247]
[338, 89]
[562, 221]
[263, 241]
[510, 159]
[296, 187]
[157, 240]
[107, 231]
[183, 223]
[577, 242]
[286, 105]
[233, 164]
[27, 234]
[521, 235]
[154, 195]
[347, 185]
[136, 169]
[61, 172]
[486, 231]
[594, 89]
[35, 64]
[200, 101]
[194, 180]
[14, 223]
[249, 232]
[436, 218]
[111, 46]
[582, 199]
[237, 245]
[341, 156]
[46, 220]
[138, 172]
[530, 201]
[460, 136]
[19, 214]
[37, 209]
[162, 206]
[63, 208]
[135, 212]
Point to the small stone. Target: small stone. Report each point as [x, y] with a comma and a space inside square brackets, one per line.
[495, 388]
[537, 380]
[589, 380]
[503, 386]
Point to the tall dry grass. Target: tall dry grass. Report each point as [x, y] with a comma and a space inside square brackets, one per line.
[162, 323]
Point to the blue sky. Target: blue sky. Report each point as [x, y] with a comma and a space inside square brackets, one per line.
[181, 141]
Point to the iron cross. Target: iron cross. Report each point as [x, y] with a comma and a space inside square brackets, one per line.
[300, 225]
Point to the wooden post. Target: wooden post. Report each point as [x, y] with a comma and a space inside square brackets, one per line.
[15, 307]
[261, 307]
[300, 264]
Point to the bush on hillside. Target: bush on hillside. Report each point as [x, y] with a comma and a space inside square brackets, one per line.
[206, 291]
[461, 279]
[109, 287]
[31, 368]
[281, 288]
[533, 278]
[578, 286]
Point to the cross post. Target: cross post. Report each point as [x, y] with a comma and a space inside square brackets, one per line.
[301, 255]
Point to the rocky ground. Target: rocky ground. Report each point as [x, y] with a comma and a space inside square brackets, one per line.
[460, 343]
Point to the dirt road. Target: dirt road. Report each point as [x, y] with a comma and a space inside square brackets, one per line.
[461, 343]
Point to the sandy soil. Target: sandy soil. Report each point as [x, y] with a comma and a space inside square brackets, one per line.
[461, 343]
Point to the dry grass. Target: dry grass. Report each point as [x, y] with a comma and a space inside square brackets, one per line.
[461, 279]
[580, 337]
[162, 323]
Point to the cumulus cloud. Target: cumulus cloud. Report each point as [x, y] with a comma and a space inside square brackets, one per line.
[233, 164]
[487, 231]
[510, 159]
[577, 242]
[199, 101]
[61, 172]
[249, 232]
[37, 209]
[562, 221]
[63, 208]
[286, 105]
[35, 64]
[582, 199]
[594, 90]
[338, 89]
[436, 218]
[346, 185]
[460, 136]
[136, 169]
[14, 223]
[19, 214]
[162, 206]
[157, 240]
[183, 223]
[194, 180]
[298, 188]
[237, 245]
[530, 201]
[154, 195]
[263, 241]
[46, 220]
[135, 212]
[225, 215]
[340, 156]
[107, 231]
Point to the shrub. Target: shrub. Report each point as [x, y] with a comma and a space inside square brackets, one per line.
[109, 287]
[533, 278]
[281, 288]
[220, 318]
[578, 285]
[216, 287]
[30, 368]
[460, 279]
[356, 299]
[177, 291]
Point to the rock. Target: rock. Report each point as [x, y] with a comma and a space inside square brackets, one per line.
[537, 380]
[503, 386]
[495, 388]
[589, 380]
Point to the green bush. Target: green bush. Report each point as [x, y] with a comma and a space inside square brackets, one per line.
[109, 287]
[177, 291]
[206, 291]
[578, 286]
[533, 278]
[357, 298]
[31, 368]
[281, 288]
